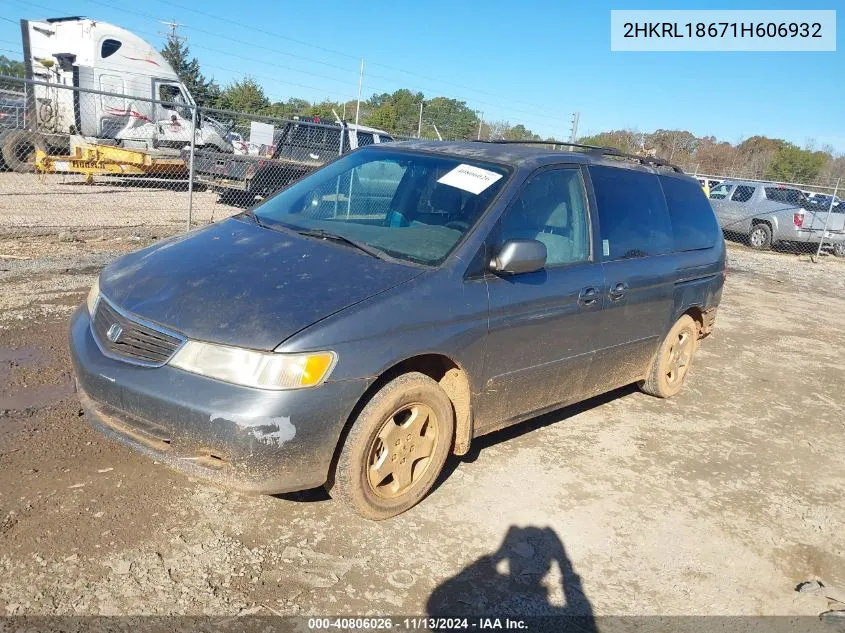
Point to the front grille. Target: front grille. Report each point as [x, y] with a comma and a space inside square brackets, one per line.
[133, 342]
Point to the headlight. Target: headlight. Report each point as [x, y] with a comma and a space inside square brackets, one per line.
[264, 370]
[93, 295]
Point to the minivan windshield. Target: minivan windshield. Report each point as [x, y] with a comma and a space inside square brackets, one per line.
[409, 206]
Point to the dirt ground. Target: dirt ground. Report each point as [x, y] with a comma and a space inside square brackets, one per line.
[718, 501]
[28, 204]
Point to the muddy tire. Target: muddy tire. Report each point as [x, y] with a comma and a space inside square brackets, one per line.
[839, 250]
[17, 150]
[673, 360]
[760, 237]
[396, 448]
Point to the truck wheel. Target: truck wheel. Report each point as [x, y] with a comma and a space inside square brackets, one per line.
[839, 250]
[760, 237]
[673, 359]
[18, 150]
[396, 447]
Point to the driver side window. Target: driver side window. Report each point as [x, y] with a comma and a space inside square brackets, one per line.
[552, 209]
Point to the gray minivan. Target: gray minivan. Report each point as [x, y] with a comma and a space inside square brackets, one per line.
[359, 326]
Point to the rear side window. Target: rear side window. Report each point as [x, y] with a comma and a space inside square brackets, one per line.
[693, 223]
[783, 194]
[364, 138]
[633, 216]
[743, 193]
[720, 192]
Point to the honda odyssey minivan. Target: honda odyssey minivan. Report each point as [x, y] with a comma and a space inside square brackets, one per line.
[363, 324]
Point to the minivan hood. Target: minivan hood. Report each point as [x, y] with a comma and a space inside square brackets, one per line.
[237, 283]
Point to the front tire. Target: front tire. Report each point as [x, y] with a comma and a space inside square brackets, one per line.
[673, 360]
[396, 447]
[760, 237]
[839, 250]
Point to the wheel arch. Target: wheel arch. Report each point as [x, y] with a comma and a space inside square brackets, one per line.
[771, 220]
[451, 377]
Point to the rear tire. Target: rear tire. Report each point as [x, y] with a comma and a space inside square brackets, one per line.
[18, 149]
[673, 360]
[396, 448]
[760, 237]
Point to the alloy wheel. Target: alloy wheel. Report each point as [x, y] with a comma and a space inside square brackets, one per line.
[402, 450]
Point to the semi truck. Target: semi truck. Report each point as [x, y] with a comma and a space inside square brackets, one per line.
[98, 81]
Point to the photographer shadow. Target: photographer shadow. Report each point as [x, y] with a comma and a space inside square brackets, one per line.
[515, 581]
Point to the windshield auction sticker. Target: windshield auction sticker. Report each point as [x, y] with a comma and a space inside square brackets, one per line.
[470, 178]
[718, 30]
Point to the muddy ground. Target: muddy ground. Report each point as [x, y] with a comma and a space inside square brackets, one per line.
[718, 501]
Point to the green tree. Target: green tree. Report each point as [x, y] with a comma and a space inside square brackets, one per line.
[627, 141]
[793, 164]
[519, 133]
[453, 119]
[325, 110]
[11, 68]
[384, 117]
[206, 92]
[244, 95]
[398, 112]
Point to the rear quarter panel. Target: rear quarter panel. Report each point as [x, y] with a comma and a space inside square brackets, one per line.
[700, 279]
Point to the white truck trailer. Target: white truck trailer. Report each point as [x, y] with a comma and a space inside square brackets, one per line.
[117, 75]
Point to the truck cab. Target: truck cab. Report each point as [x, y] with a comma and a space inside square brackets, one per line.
[97, 56]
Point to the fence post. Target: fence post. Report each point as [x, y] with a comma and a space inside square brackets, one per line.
[191, 163]
[827, 219]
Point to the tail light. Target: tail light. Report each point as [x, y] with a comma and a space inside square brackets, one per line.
[250, 172]
[798, 220]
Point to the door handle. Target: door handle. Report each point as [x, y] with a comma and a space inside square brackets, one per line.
[617, 291]
[587, 296]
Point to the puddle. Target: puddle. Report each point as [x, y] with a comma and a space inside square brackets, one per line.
[26, 356]
[38, 396]
[35, 396]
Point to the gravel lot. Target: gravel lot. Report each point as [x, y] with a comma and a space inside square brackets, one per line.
[718, 501]
[28, 204]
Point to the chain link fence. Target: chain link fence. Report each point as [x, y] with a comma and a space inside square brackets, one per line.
[88, 161]
[94, 160]
[786, 216]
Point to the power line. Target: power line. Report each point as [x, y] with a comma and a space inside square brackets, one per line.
[277, 35]
[173, 35]
[277, 51]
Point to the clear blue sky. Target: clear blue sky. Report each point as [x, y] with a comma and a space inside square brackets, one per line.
[532, 61]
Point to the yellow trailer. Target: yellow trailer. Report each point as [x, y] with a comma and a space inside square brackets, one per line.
[94, 159]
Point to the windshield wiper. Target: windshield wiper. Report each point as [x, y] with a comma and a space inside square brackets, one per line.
[336, 237]
[251, 215]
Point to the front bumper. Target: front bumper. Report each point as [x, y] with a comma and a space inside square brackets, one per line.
[248, 439]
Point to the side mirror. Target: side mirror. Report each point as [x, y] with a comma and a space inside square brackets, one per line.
[519, 256]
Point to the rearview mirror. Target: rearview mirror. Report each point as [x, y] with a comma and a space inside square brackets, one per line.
[519, 256]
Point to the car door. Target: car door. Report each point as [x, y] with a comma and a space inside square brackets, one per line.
[639, 273]
[740, 209]
[542, 325]
[719, 200]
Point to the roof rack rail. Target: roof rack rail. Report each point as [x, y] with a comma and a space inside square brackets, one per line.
[594, 149]
[534, 142]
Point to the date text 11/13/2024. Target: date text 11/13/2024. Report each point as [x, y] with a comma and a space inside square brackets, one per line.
[417, 624]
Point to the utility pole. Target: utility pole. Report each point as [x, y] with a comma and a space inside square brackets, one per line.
[360, 87]
[574, 135]
[173, 35]
[419, 124]
[480, 121]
